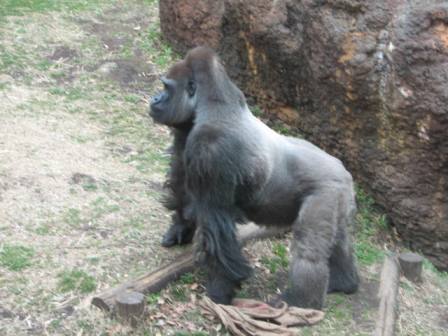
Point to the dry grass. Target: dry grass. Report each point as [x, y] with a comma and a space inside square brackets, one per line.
[82, 167]
[81, 173]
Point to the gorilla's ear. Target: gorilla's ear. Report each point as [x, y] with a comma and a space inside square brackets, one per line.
[191, 88]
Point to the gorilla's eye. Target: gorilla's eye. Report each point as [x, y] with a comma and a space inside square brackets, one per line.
[191, 88]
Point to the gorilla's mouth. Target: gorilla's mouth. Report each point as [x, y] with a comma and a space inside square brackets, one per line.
[154, 112]
[157, 103]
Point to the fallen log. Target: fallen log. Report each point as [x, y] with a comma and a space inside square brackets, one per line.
[156, 280]
[388, 295]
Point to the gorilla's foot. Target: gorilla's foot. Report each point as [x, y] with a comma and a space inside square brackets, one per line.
[347, 284]
[292, 299]
[177, 234]
[221, 290]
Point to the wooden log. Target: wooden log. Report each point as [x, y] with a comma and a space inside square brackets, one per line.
[130, 307]
[388, 295]
[411, 266]
[156, 280]
[147, 283]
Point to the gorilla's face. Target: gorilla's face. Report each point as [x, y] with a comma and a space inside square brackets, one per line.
[175, 105]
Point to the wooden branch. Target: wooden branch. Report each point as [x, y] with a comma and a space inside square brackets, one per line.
[147, 283]
[411, 266]
[156, 280]
[388, 295]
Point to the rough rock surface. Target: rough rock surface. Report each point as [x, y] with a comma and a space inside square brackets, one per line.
[366, 80]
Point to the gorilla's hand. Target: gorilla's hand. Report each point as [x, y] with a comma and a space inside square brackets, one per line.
[177, 234]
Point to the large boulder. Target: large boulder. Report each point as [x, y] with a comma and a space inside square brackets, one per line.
[366, 80]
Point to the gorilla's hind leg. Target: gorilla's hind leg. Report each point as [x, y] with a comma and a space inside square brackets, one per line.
[343, 272]
[314, 232]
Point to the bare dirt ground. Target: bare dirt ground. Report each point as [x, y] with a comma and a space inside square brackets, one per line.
[81, 178]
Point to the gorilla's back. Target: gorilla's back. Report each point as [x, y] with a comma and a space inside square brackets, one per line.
[291, 168]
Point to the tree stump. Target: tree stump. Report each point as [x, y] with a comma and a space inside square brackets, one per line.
[411, 266]
[130, 307]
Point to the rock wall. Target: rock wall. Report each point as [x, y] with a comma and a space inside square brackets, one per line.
[365, 80]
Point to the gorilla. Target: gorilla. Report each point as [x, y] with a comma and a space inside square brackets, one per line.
[228, 167]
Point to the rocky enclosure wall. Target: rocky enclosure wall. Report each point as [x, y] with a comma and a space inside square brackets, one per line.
[366, 80]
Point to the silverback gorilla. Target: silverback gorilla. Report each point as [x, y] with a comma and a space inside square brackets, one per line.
[228, 167]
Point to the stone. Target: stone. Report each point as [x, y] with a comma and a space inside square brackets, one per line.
[365, 80]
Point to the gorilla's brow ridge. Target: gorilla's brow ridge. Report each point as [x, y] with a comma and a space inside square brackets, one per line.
[210, 73]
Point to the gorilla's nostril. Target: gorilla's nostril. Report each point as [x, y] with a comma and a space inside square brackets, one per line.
[159, 98]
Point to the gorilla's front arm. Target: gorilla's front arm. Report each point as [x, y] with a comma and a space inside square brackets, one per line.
[212, 177]
[182, 229]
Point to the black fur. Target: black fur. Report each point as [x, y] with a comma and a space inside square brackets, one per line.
[182, 230]
[229, 167]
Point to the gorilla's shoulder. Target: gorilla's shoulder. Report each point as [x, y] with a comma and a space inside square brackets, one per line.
[213, 142]
[208, 133]
[219, 135]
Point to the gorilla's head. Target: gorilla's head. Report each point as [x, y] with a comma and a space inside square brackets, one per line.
[176, 104]
[198, 84]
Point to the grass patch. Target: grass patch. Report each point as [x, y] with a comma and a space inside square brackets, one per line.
[278, 261]
[440, 277]
[43, 230]
[76, 280]
[16, 257]
[339, 306]
[89, 186]
[338, 318]
[72, 217]
[281, 128]
[69, 93]
[93, 260]
[22, 7]
[132, 98]
[43, 65]
[187, 279]
[58, 91]
[180, 290]
[90, 214]
[427, 265]
[153, 298]
[369, 223]
[256, 111]
[149, 160]
[151, 2]
[55, 324]
[243, 294]
[85, 325]
[58, 74]
[367, 253]
[284, 129]
[101, 207]
[159, 51]
[128, 123]
[12, 60]
[179, 293]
